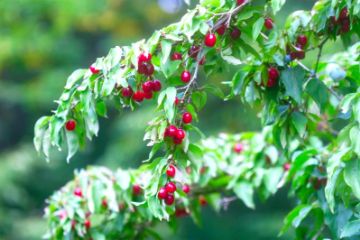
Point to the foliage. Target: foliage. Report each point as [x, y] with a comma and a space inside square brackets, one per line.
[300, 104]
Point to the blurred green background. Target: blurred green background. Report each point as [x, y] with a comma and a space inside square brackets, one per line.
[41, 42]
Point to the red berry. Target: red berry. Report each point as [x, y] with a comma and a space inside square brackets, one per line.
[271, 82]
[138, 96]
[240, 2]
[300, 54]
[286, 166]
[126, 92]
[171, 131]
[273, 73]
[185, 76]
[94, 70]
[142, 68]
[136, 189]
[238, 148]
[343, 13]
[147, 86]
[104, 203]
[181, 212]
[193, 51]
[210, 39]
[176, 56]
[221, 30]
[202, 200]
[302, 40]
[149, 69]
[87, 224]
[169, 200]
[186, 188]
[148, 95]
[293, 55]
[170, 172]
[268, 23]
[170, 187]
[187, 117]
[202, 61]
[345, 25]
[176, 101]
[70, 125]
[177, 141]
[156, 85]
[162, 194]
[235, 33]
[180, 134]
[144, 57]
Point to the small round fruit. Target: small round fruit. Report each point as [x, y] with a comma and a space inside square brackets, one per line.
[273, 73]
[286, 167]
[186, 188]
[170, 172]
[138, 96]
[78, 192]
[187, 117]
[136, 189]
[177, 101]
[344, 13]
[127, 92]
[238, 148]
[87, 224]
[94, 70]
[144, 57]
[181, 212]
[156, 85]
[148, 95]
[235, 33]
[210, 40]
[162, 194]
[193, 51]
[202, 200]
[240, 2]
[271, 82]
[147, 86]
[180, 134]
[170, 187]
[104, 203]
[302, 40]
[70, 125]
[185, 76]
[269, 24]
[170, 199]
[142, 68]
[176, 56]
[300, 54]
[149, 69]
[171, 131]
[221, 30]
[177, 141]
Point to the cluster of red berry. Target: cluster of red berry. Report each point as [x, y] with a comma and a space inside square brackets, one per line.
[299, 51]
[340, 25]
[273, 76]
[166, 192]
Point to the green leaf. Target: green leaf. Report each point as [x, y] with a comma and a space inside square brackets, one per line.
[295, 217]
[169, 103]
[299, 121]
[355, 140]
[72, 144]
[318, 92]
[256, 28]
[165, 50]
[293, 79]
[351, 229]
[74, 78]
[101, 108]
[276, 5]
[352, 176]
[39, 130]
[199, 99]
[245, 192]
[238, 81]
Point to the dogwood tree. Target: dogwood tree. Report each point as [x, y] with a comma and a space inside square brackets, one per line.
[301, 144]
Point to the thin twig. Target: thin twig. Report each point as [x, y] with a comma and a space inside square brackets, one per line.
[321, 45]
